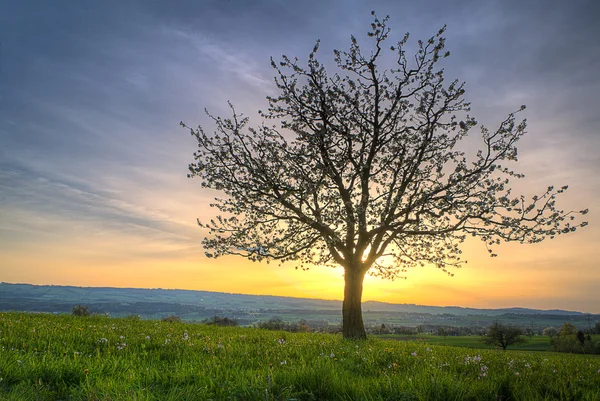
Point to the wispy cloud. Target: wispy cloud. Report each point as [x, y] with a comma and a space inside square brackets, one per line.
[223, 58]
[43, 207]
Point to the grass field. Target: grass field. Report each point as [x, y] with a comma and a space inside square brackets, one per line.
[536, 343]
[60, 357]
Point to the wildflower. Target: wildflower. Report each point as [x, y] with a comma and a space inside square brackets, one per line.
[414, 353]
[281, 341]
[428, 349]
[332, 355]
[122, 337]
[147, 337]
[477, 358]
[219, 345]
[517, 373]
[554, 371]
[283, 362]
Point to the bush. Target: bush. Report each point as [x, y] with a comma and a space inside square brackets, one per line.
[576, 344]
[404, 330]
[575, 341]
[80, 310]
[172, 319]
[566, 343]
[550, 332]
[278, 324]
[272, 324]
[220, 321]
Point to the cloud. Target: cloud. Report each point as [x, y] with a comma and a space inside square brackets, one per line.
[226, 60]
[44, 207]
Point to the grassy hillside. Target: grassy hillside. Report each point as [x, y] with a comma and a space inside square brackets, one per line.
[49, 357]
[536, 343]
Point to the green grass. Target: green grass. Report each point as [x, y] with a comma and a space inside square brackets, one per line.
[536, 343]
[60, 357]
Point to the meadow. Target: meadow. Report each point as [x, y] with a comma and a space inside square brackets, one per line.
[62, 357]
[536, 343]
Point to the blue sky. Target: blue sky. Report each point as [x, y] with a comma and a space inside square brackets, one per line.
[93, 162]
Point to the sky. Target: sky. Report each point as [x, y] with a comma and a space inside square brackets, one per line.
[93, 162]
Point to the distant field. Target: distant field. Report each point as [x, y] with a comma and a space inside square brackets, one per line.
[60, 357]
[251, 309]
[536, 343]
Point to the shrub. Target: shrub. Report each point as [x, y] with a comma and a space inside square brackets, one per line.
[566, 343]
[278, 324]
[172, 319]
[272, 324]
[220, 321]
[80, 310]
[576, 343]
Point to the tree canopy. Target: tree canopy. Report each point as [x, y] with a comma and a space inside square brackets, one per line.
[502, 335]
[362, 170]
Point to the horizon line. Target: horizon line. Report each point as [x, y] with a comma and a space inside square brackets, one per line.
[301, 298]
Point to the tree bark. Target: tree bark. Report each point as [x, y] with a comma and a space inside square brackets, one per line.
[352, 324]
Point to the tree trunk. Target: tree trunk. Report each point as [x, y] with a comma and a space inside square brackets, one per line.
[352, 325]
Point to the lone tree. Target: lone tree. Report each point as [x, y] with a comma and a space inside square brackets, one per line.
[362, 170]
[503, 335]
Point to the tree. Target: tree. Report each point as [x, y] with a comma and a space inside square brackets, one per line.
[569, 339]
[580, 336]
[503, 335]
[568, 329]
[529, 332]
[550, 332]
[442, 331]
[80, 310]
[363, 171]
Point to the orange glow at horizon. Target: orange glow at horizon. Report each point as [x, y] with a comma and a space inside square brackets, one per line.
[482, 283]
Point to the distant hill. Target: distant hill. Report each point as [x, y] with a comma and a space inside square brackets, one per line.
[62, 298]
